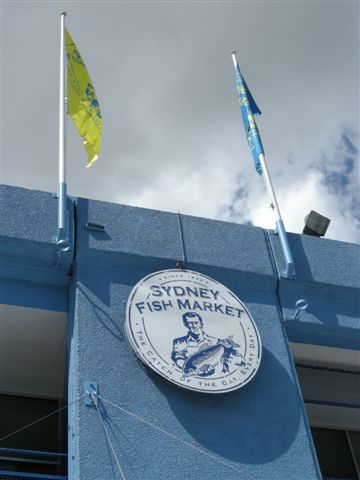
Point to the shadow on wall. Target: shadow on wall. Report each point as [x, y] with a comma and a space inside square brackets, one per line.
[331, 312]
[331, 296]
[255, 424]
[102, 316]
[303, 269]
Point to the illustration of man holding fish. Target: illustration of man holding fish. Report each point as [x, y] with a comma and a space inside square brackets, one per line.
[198, 353]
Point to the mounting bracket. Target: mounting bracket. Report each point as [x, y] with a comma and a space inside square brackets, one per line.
[91, 391]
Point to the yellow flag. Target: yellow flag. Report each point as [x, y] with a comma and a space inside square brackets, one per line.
[83, 106]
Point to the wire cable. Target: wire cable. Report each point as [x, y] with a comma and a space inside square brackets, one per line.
[107, 435]
[175, 437]
[40, 419]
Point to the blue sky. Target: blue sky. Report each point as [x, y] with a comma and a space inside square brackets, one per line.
[173, 138]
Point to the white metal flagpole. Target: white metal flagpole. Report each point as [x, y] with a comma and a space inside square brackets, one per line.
[62, 234]
[280, 229]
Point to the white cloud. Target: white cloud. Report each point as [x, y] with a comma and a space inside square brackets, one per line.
[198, 190]
[173, 138]
[328, 182]
[221, 185]
[299, 199]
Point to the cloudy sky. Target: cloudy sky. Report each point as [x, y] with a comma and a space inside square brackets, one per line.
[172, 133]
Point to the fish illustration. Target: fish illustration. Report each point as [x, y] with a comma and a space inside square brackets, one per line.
[203, 362]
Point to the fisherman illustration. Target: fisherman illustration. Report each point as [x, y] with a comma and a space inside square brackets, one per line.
[198, 353]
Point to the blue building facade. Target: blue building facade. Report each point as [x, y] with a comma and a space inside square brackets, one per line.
[139, 426]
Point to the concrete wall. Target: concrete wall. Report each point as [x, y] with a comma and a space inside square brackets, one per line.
[328, 278]
[259, 431]
[31, 272]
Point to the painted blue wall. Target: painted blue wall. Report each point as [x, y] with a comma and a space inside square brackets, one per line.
[259, 431]
[327, 276]
[30, 273]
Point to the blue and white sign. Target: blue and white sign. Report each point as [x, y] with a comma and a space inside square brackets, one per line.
[193, 331]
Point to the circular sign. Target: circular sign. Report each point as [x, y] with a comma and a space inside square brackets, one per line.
[193, 331]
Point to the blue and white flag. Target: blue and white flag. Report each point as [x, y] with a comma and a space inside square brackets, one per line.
[248, 109]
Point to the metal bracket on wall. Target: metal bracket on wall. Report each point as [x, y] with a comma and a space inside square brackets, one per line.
[63, 247]
[300, 305]
[91, 391]
[95, 227]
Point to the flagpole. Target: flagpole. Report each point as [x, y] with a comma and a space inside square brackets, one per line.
[62, 234]
[280, 229]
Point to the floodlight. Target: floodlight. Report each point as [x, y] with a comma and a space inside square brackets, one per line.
[316, 224]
